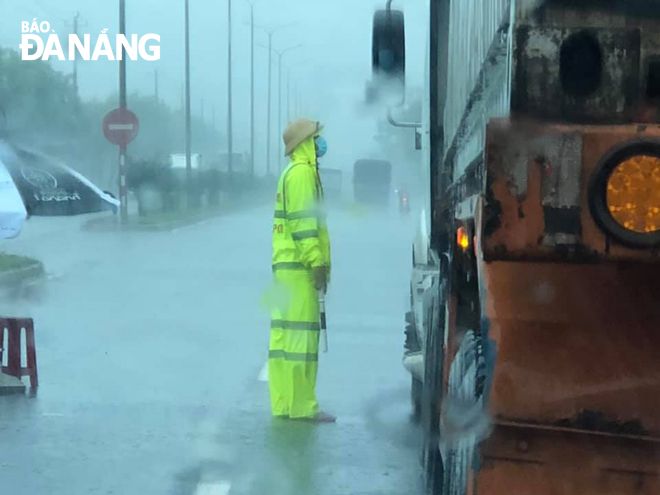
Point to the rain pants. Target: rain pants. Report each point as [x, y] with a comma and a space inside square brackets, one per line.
[300, 243]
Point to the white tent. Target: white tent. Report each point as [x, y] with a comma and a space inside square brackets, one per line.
[12, 208]
[31, 181]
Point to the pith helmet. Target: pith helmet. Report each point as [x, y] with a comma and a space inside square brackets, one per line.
[298, 131]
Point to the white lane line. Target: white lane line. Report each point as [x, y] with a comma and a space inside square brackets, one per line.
[263, 374]
[219, 488]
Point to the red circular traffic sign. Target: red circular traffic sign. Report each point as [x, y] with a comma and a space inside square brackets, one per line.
[120, 126]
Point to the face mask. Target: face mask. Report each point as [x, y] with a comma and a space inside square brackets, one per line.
[321, 146]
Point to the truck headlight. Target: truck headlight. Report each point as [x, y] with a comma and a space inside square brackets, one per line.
[625, 194]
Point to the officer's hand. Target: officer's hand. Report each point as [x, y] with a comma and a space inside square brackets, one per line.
[320, 278]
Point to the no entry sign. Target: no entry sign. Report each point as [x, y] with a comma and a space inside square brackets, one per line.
[120, 126]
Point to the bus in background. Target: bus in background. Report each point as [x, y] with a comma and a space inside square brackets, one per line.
[372, 181]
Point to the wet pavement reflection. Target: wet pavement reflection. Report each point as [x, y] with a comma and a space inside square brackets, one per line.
[151, 347]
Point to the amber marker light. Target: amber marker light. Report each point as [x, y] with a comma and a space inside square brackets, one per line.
[462, 238]
[633, 194]
[625, 194]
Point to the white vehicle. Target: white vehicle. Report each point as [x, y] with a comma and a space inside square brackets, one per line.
[178, 161]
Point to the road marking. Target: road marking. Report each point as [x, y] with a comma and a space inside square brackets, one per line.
[53, 415]
[219, 488]
[263, 374]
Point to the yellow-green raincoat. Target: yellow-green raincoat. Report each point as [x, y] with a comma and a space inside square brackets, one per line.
[300, 243]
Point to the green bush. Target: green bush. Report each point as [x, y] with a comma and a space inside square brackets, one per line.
[154, 185]
[9, 262]
[160, 188]
[217, 183]
[39, 105]
[214, 184]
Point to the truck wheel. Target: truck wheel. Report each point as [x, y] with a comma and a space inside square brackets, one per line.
[430, 404]
[416, 390]
[464, 422]
[412, 345]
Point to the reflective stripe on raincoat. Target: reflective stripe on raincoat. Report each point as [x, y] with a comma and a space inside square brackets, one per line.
[300, 243]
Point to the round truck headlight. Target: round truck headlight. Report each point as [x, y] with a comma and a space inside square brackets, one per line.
[625, 194]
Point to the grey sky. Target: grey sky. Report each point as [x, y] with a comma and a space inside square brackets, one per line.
[330, 70]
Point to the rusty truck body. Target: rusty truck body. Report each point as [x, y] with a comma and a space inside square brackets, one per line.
[535, 294]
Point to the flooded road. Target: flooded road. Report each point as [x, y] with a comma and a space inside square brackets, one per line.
[152, 350]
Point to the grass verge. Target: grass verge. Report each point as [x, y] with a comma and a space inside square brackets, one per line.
[11, 262]
[16, 270]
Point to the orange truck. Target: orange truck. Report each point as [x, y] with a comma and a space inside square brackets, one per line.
[533, 338]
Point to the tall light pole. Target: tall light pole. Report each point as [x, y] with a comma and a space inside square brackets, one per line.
[187, 104]
[289, 98]
[270, 84]
[230, 137]
[288, 95]
[271, 32]
[279, 111]
[280, 54]
[75, 60]
[123, 196]
[156, 95]
[252, 89]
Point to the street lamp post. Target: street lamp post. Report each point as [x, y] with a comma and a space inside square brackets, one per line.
[123, 194]
[252, 89]
[290, 103]
[297, 99]
[288, 95]
[281, 54]
[270, 81]
[293, 99]
[230, 136]
[187, 105]
[271, 32]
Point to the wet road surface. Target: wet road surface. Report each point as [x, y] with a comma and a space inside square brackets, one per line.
[151, 350]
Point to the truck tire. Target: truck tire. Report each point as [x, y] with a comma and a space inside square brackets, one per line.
[411, 343]
[466, 378]
[430, 402]
[416, 386]
[416, 390]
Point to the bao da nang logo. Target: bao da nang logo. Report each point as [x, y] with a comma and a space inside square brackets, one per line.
[32, 47]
